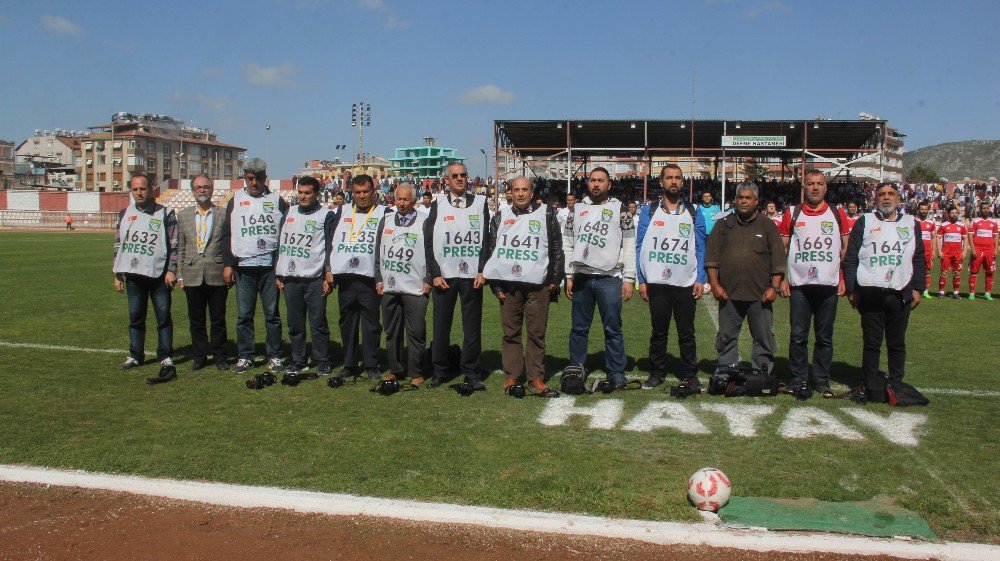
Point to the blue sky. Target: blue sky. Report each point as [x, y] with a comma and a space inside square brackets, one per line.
[447, 69]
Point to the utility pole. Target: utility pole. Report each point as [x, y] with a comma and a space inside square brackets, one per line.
[361, 117]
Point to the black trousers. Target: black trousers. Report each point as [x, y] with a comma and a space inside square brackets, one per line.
[678, 302]
[472, 324]
[304, 299]
[359, 310]
[405, 314]
[212, 298]
[884, 316]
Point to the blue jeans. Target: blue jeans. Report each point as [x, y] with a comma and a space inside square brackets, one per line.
[606, 294]
[140, 291]
[816, 305]
[250, 283]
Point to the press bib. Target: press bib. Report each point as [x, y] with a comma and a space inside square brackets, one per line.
[522, 248]
[402, 258]
[353, 251]
[886, 256]
[668, 252]
[253, 226]
[814, 249]
[143, 247]
[458, 238]
[302, 243]
[598, 234]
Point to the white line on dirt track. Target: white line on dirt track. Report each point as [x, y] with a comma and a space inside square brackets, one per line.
[663, 533]
[42, 347]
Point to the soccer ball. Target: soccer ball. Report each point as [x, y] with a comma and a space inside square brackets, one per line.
[709, 489]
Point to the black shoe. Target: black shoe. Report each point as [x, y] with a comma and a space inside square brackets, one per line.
[222, 364]
[800, 389]
[197, 364]
[651, 382]
[434, 382]
[167, 373]
[323, 369]
[374, 374]
[296, 368]
[477, 385]
[955, 296]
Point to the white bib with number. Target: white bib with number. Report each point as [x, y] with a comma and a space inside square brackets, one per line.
[143, 248]
[598, 234]
[522, 249]
[668, 253]
[402, 260]
[353, 251]
[458, 238]
[254, 223]
[814, 249]
[886, 256]
[302, 244]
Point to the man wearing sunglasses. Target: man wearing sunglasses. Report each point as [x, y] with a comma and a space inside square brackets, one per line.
[454, 234]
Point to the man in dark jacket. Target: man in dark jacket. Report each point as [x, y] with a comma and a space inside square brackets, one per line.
[884, 274]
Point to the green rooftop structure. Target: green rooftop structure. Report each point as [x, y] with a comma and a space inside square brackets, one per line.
[419, 162]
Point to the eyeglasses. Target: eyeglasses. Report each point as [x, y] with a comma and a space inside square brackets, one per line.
[457, 175]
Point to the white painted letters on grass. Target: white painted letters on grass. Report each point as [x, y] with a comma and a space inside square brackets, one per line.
[743, 420]
[666, 414]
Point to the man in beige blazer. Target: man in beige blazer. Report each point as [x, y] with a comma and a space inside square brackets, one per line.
[199, 272]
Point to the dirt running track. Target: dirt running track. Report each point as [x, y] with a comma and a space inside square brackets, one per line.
[39, 522]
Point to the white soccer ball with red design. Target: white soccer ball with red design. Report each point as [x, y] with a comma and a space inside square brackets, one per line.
[709, 489]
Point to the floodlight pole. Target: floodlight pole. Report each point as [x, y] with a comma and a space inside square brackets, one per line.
[722, 204]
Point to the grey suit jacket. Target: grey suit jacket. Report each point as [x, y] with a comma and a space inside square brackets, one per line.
[192, 267]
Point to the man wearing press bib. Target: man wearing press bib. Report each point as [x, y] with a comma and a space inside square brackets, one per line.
[401, 280]
[454, 234]
[599, 237]
[145, 266]
[670, 265]
[524, 268]
[303, 275]
[250, 234]
[815, 237]
[352, 262]
[884, 277]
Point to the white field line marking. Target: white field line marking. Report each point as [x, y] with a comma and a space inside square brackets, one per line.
[42, 347]
[944, 485]
[662, 533]
[596, 373]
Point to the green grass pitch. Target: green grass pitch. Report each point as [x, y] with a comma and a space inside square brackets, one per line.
[78, 410]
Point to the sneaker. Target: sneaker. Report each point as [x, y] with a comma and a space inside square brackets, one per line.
[651, 382]
[130, 363]
[941, 294]
[296, 368]
[275, 364]
[926, 295]
[955, 296]
[242, 365]
[167, 373]
[988, 297]
[972, 296]
[323, 369]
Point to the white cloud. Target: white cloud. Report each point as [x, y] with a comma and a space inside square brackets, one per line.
[208, 103]
[488, 93]
[56, 24]
[764, 7]
[259, 75]
[389, 18]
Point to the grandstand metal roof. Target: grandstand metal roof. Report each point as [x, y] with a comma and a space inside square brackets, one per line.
[635, 137]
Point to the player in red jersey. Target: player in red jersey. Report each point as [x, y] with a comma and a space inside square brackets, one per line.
[927, 229]
[852, 215]
[984, 237]
[952, 239]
